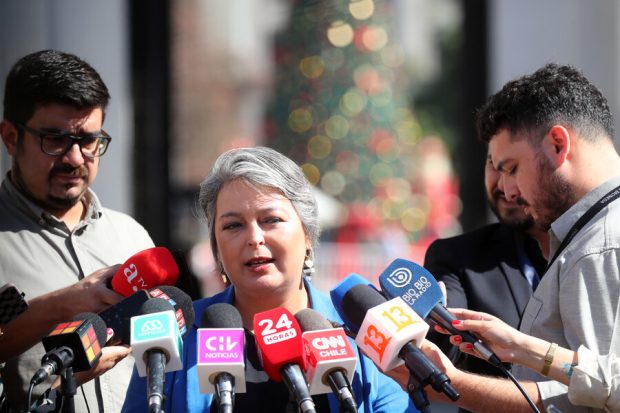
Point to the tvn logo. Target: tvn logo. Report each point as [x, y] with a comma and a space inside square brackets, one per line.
[152, 326]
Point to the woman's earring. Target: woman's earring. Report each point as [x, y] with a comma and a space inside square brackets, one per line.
[223, 275]
[308, 268]
[225, 279]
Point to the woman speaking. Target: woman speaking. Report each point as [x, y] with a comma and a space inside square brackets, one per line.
[263, 225]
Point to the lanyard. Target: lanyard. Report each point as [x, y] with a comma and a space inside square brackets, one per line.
[583, 220]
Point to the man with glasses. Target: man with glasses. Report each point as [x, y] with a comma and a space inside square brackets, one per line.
[57, 243]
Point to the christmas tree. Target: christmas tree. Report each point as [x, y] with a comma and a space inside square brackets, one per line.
[341, 109]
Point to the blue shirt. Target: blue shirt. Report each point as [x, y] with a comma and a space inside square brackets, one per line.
[374, 392]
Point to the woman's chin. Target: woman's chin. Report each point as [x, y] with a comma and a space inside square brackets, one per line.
[265, 282]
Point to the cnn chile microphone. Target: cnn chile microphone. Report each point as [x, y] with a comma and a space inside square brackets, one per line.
[146, 269]
[388, 331]
[419, 289]
[157, 347]
[281, 349]
[221, 354]
[76, 344]
[329, 357]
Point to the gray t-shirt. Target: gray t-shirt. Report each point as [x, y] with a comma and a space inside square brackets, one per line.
[39, 254]
[578, 300]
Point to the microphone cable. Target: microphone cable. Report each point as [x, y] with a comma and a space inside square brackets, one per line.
[521, 389]
[30, 389]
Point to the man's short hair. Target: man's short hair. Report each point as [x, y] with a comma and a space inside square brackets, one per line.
[554, 94]
[51, 76]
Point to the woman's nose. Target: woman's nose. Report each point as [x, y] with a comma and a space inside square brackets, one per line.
[255, 235]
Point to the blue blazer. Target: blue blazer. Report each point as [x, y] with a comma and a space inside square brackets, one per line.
[374, 392]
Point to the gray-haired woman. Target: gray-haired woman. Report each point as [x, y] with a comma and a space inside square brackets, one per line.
[262, 218]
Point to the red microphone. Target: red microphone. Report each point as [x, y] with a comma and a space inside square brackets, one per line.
[146, 269]
[331, 359]
[281, 349]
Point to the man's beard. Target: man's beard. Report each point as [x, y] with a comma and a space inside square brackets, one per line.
[554, 195]
[50, 202]
[521, 223]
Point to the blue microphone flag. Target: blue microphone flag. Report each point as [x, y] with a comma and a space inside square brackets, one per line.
[414, 284]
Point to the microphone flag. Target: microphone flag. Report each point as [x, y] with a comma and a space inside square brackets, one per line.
[220, 350]
[157, 330]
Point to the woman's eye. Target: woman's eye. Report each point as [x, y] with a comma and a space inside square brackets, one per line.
[273, 220]
[231, 225]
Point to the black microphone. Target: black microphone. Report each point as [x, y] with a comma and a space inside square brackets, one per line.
[330, 357]
[182, 303]
[381, 325]
[118, 316]
[76, 344]
[220, 363]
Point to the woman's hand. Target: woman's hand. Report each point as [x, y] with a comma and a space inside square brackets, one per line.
[506, 342]
[110, 357]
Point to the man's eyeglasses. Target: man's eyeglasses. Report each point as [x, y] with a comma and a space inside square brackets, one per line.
[59, 143]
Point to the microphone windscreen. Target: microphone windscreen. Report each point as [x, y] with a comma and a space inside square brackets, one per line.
[338, 292]
[279, 341]
[221, 347]
[357, 301]
[156, 329]
[118, 315]
[179, 299]
[156, 305]
[310, 320]
[221, 315]
[98, 325]
[85, 334]
[144, 270]
[414, 284]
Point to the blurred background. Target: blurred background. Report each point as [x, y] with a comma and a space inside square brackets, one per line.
[375, 99]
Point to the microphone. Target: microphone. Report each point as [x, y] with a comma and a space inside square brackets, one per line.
[221, 361]
[182, 303]
[75, 344]
[281, 349]
[146, 269]
[330, 358]
[337, 294]
[118, 315]
[385, 331]
[420, 291]
[157, 347]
